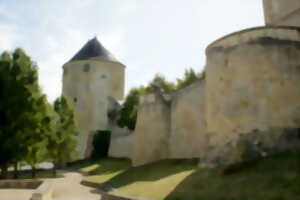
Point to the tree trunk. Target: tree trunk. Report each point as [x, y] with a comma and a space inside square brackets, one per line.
[54, 169]
[4, 170]
[16, 170]
[33, 172]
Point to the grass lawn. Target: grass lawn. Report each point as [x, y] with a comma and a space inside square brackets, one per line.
[273, 178]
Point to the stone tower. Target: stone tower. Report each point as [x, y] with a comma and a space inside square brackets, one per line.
[282, 12]
[89, 78]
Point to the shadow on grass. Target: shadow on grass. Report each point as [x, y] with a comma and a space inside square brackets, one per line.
[78, 164]
[110, 165]
[152, 172]
[273, 178]
[100, 167]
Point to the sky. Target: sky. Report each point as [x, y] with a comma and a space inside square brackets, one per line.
[148, 36]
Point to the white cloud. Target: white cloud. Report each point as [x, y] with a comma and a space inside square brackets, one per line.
[127, 7]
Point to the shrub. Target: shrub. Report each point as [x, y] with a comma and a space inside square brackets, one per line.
[128, 112]
[240, 159]
[101, 142]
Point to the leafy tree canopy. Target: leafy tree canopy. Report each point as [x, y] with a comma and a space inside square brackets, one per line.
[24, 113]
[62, 145]
[160, 84]
[190, 77]
[128, 112]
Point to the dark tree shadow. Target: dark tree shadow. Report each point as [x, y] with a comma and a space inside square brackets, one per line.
[111, 165]
[152, 172]
[106, 166]
[272, 178]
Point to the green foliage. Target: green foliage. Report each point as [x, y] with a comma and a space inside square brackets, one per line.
[128, 112]
[101, 142]
[37, 148]
[25, 117]
[241, 159]
[160, 84]
[62, 145]
[190, 77]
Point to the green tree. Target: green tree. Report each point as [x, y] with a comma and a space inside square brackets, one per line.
[160, 84]
[62, 145]
[20, 119]
[128, 111]
[189, 78]
[201, 75]
[37, 145]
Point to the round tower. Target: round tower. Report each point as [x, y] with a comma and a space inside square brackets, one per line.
[253, 79]
[89, 78]
[282, 12]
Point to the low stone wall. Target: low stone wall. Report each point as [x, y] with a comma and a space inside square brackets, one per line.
[104, 187]
[44, 191]
[106, 196]
[188, 122]
[152, 132]
[19, 184]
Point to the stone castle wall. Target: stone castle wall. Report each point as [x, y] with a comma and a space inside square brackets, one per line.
[188, 123]
[152, 132]
[251, 94]
[282, 12]
[121, 146]
[250, 99]
[121, 141]
[252, 82]
[171, 129]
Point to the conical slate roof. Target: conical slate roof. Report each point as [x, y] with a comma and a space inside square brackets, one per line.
[93, 49]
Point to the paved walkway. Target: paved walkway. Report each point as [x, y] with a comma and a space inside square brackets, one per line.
[67, 188]
[13, 194]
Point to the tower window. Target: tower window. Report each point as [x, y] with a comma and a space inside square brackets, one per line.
[65, 72]
[75, 100]
[86, 67]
